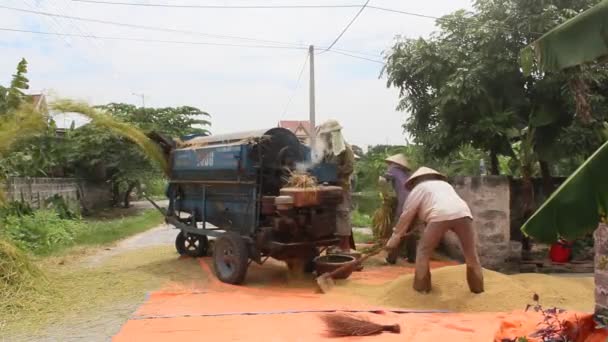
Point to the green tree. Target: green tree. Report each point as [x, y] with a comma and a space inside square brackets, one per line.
[171, 121]
[12, 97]
[464, 84]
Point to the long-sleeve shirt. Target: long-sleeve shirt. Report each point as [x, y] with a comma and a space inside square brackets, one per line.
[431, 201]
[398, 176]
[345, 162]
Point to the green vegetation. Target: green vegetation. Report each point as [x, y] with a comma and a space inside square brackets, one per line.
[106, 231]
[361, 220]
[361, 237]
[44, 232]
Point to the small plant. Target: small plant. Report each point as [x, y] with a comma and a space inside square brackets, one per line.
[16, 208]
[61, 207]
[552, 328]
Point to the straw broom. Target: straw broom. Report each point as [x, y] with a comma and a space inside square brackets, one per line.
[344, 324]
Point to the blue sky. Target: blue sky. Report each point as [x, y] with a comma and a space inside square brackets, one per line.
[243, 88]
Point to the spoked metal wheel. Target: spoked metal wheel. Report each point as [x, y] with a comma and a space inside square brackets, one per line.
[230, 258]
[191, 245]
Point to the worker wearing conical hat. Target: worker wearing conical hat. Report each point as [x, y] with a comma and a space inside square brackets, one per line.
[397, 173]
[336, 150]
[433, 200]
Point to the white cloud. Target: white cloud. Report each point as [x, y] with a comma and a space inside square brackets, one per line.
[242, 88]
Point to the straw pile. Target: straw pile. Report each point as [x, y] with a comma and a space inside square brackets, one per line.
[382, 221]
[301, 180]
[18, 276]
[77, 289]
[503, 292]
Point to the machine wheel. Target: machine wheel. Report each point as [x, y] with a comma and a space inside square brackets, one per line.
[191, 245]
[230, 258]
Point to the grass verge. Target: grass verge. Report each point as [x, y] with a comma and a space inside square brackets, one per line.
[361, 220]
[107, 231]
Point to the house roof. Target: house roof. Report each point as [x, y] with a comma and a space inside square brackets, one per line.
[294, 125]
[39, 101]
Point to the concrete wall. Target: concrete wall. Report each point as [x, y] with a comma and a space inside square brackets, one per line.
[36, 191]
[489, 200]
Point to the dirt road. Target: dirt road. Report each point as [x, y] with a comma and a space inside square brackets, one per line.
[105, 320]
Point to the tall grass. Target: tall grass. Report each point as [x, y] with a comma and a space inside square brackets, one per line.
[16, 125]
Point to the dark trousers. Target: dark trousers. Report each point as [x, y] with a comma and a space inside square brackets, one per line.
[410, 247]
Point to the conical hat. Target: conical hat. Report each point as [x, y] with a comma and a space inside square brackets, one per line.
[328, 127]
[423, 171]
[400, 160]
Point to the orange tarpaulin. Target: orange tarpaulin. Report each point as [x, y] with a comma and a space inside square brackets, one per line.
[278, 311]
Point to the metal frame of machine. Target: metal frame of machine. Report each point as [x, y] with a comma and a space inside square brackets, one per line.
[230, 188]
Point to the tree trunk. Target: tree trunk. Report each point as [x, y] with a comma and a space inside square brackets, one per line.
[494, 166]
[126, 201]
[581, 97]
[115, 194]
[545, 171]
[600, 240]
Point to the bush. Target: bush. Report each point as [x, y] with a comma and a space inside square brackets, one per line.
[42, 231]
[361, 220]
[155, 187]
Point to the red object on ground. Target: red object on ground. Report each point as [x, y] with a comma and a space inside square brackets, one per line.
[560, 251]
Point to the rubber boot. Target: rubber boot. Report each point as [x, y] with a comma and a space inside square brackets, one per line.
[475, 280]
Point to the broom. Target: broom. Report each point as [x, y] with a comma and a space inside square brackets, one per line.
[342, 325]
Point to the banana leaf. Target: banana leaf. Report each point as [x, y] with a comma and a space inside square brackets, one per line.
[579, 40]
[577, 206]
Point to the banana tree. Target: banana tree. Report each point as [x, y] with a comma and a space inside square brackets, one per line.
[580, 204]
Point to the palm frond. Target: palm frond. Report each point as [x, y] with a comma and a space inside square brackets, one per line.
[577, 206]
[149, 147]
[580, 40]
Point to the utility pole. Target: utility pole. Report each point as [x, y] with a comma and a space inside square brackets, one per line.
[143, 99]
[313, 133]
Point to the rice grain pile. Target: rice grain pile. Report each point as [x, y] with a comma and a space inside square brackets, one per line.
[503, 292]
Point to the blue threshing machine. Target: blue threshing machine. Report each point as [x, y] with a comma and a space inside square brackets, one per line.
[232, 188]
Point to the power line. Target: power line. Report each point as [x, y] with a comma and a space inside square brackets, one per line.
[297, 86]
[57, 27]
[145, 27]
[170, 30]
[358, 57]
[151, 40]
[346, 28]
[403, 12]
[143, 40]
[85, 30]
[217, 6]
